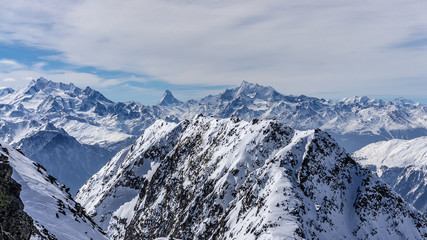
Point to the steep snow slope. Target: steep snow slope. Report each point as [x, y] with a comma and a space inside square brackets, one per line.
[54, 211]
[402, 164]
[14, 222]
[217, 179]
[121, 178]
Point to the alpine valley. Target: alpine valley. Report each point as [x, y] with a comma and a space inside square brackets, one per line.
[249, 163]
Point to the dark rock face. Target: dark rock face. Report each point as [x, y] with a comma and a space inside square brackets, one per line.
[14, 222]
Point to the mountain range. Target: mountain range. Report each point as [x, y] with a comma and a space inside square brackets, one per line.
[262, 166]
[96, 128]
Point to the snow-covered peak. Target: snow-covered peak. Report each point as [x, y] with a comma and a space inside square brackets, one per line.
[402, 164]
[35, 86]
[394, 153]
[95, 95]
[168, 99]
[256, 91]
[231, 179]
[49, 127]
[5, 91]
[402, 100]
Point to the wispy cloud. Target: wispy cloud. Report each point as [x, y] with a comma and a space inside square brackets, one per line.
[9, 65]
[299, 47]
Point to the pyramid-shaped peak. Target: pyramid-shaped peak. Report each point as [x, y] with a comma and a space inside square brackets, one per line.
[168, 99]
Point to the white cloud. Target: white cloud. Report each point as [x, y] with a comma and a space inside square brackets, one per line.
[9, 79]
[9, 65]
[305, 47]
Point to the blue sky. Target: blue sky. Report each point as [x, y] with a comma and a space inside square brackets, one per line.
[135, 49]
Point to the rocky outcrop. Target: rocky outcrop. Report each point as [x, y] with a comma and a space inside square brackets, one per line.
[14, 222]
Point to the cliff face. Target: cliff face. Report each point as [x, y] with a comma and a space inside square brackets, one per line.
[14, 222]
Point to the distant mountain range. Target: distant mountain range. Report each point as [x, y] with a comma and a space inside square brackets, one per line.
[96, 128]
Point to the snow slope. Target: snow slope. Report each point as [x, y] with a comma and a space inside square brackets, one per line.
[402, 164]
[231, 179]
[55, 213]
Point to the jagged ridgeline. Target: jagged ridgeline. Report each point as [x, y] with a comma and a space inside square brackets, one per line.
[74, 131]
[232, 179]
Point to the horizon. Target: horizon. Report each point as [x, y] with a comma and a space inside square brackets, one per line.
[135, 50]
[155, 101]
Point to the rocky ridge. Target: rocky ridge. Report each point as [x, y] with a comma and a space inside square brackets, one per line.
[215, 179]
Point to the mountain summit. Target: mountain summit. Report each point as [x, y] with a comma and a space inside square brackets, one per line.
[168, 99]
[231, 179]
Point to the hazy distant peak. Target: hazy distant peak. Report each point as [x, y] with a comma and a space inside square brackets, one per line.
[168, 99]
[5, 91]
[403, 100]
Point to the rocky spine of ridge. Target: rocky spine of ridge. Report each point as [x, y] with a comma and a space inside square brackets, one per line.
[232, 179]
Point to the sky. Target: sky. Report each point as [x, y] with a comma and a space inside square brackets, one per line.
[136, 49]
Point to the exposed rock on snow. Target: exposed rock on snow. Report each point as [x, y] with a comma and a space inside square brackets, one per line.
[56, 215]
[231, 179]
[102, 127]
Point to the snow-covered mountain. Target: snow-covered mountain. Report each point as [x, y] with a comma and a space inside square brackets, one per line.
[231, 179]
[402, 164]
[79, 112]
[168, 99]
[54, 213]
[354, 122]
[102, 127]
[85, 128]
